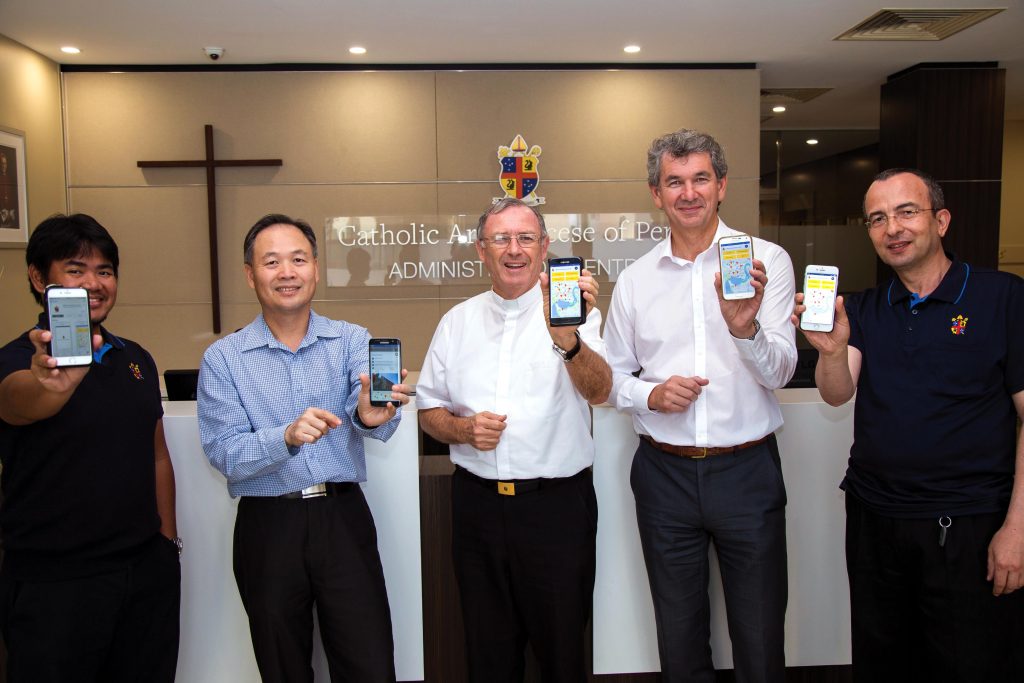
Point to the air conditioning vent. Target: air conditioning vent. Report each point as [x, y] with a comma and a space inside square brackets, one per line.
[917, 24]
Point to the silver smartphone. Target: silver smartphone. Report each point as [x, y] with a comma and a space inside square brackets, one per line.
[67, 318]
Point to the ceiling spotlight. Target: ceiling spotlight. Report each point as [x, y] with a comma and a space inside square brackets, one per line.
[778, 109]
[631, 49]
[356, 50]
[70, 50]
[812, 141]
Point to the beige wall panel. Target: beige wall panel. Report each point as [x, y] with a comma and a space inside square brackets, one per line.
[175, 334]
[30, 84]
[591, 124]
[175, 264]
[1011, 218]
[161, 237]
[326, 127]
[413, 322]
[591, 197]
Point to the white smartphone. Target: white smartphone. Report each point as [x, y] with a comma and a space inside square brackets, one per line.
[67, 318]
[736, 259]
[821, 285]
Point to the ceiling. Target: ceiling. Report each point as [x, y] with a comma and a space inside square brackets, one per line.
[791, 41]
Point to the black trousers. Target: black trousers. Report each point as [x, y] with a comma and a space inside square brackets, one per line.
[525, 568]
[292, 555]
[924, 612]
[738, 502]
[117, 627]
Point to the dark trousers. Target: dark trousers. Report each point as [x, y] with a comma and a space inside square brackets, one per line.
[292, 555]
[924, 612]
[525, 568]
[110, 628]
[738, 502]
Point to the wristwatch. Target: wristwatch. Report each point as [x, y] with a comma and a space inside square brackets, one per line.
[571, 353]
[178, 543]
[757, 328]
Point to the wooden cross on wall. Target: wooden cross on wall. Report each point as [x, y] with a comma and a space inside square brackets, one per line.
[210, 163]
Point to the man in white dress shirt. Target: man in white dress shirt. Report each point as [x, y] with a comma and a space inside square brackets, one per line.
[510, 394]
[697, 374]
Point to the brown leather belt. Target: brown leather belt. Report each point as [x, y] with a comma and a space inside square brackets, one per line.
[698, 452]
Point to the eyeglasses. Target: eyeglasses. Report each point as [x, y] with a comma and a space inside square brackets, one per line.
[525, 239]
[880, 220]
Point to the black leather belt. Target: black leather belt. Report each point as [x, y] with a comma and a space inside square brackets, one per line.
[516, 487]
[331, 488]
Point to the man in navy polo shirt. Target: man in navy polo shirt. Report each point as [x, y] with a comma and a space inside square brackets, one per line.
[935, 517]
[90, 586]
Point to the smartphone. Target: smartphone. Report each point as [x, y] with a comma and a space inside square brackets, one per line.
[736, 259]
[566, 304]
[67, 318]
[385, 370]
[821, 284]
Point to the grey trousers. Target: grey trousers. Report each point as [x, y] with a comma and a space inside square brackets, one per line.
[737, 502]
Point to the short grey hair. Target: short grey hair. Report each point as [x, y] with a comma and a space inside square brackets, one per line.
[507, 203]
[682, 143]
[935, 194]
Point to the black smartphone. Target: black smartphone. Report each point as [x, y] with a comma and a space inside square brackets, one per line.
[385, 370]
[566, 304]
[67, 318]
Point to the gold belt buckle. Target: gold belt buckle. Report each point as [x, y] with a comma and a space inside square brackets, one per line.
[702, 455]
[507, 488]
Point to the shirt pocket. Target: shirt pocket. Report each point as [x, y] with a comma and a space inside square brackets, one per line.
[541, 387]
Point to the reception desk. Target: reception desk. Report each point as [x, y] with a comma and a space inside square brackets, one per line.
[215, 644]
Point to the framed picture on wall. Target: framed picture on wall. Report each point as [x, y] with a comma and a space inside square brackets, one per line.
[13, 192]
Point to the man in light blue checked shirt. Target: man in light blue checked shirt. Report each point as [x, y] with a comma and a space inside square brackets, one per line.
[284, 405]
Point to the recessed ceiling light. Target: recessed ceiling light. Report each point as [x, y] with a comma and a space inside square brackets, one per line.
[71, 50]
[356, 50]
[631, 49]
[812, 141]
[778, 109]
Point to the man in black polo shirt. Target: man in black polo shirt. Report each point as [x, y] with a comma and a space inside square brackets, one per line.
[935, 517]
[90, 582]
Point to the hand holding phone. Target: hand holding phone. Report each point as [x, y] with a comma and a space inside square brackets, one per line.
[736, 260]
[385, 370]
[67, 319]
[821, 285]
[566, 306]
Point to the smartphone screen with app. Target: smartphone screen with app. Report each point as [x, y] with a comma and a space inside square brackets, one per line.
[736, 260]
[566, 304]
[821, 285]
[385, 370]
[67, 316]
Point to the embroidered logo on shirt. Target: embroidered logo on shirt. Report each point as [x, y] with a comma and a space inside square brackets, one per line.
[136, 371]
[959, 325]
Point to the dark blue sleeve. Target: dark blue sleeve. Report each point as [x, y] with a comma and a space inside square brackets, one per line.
[1015, 342]
[17, 355]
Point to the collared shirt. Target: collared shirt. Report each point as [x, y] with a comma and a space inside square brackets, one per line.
[251, 387]
[665, 320]
[492, 354]
[935, 428]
